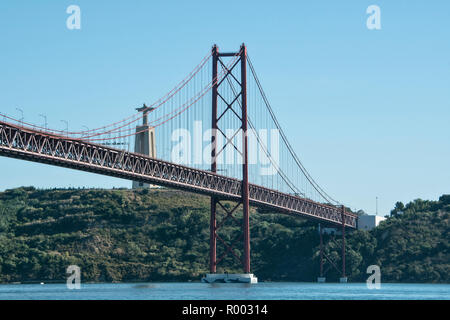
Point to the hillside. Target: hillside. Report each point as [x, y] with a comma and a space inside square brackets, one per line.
[413, 244]
[163, 235]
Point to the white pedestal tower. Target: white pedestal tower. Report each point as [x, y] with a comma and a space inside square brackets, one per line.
[144, 141]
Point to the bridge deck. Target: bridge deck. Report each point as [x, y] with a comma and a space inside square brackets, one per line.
[32, 145]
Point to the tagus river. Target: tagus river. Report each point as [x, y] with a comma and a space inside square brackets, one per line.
[202, 291]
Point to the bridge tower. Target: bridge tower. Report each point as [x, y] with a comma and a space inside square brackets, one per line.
[144, 142]
[324, 258]
[240, 98]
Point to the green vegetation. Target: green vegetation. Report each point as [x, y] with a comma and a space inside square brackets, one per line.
[413, 244]
[163, 235]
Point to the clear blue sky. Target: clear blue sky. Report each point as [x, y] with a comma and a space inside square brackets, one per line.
[368, 111]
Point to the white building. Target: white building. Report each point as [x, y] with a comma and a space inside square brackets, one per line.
[368, 222]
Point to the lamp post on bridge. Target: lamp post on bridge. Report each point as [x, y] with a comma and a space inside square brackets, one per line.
[87, 129]
[67, 127]
[21, 119]
[45, 120]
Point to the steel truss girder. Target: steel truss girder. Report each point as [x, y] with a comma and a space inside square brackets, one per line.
[36, 146]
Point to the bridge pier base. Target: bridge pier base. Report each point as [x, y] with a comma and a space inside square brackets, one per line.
[343, 280]
[321, 279]
[230, 278]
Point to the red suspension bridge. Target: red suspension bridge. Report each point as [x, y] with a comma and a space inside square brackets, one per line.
[247, 158]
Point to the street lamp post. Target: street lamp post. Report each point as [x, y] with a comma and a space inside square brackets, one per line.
[86, 132]
[45, 120]
[67, 127]
[21, 119]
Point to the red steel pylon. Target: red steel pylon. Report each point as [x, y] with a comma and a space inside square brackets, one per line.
[242, 96]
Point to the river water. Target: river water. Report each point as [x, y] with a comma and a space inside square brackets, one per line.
[202, 291]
